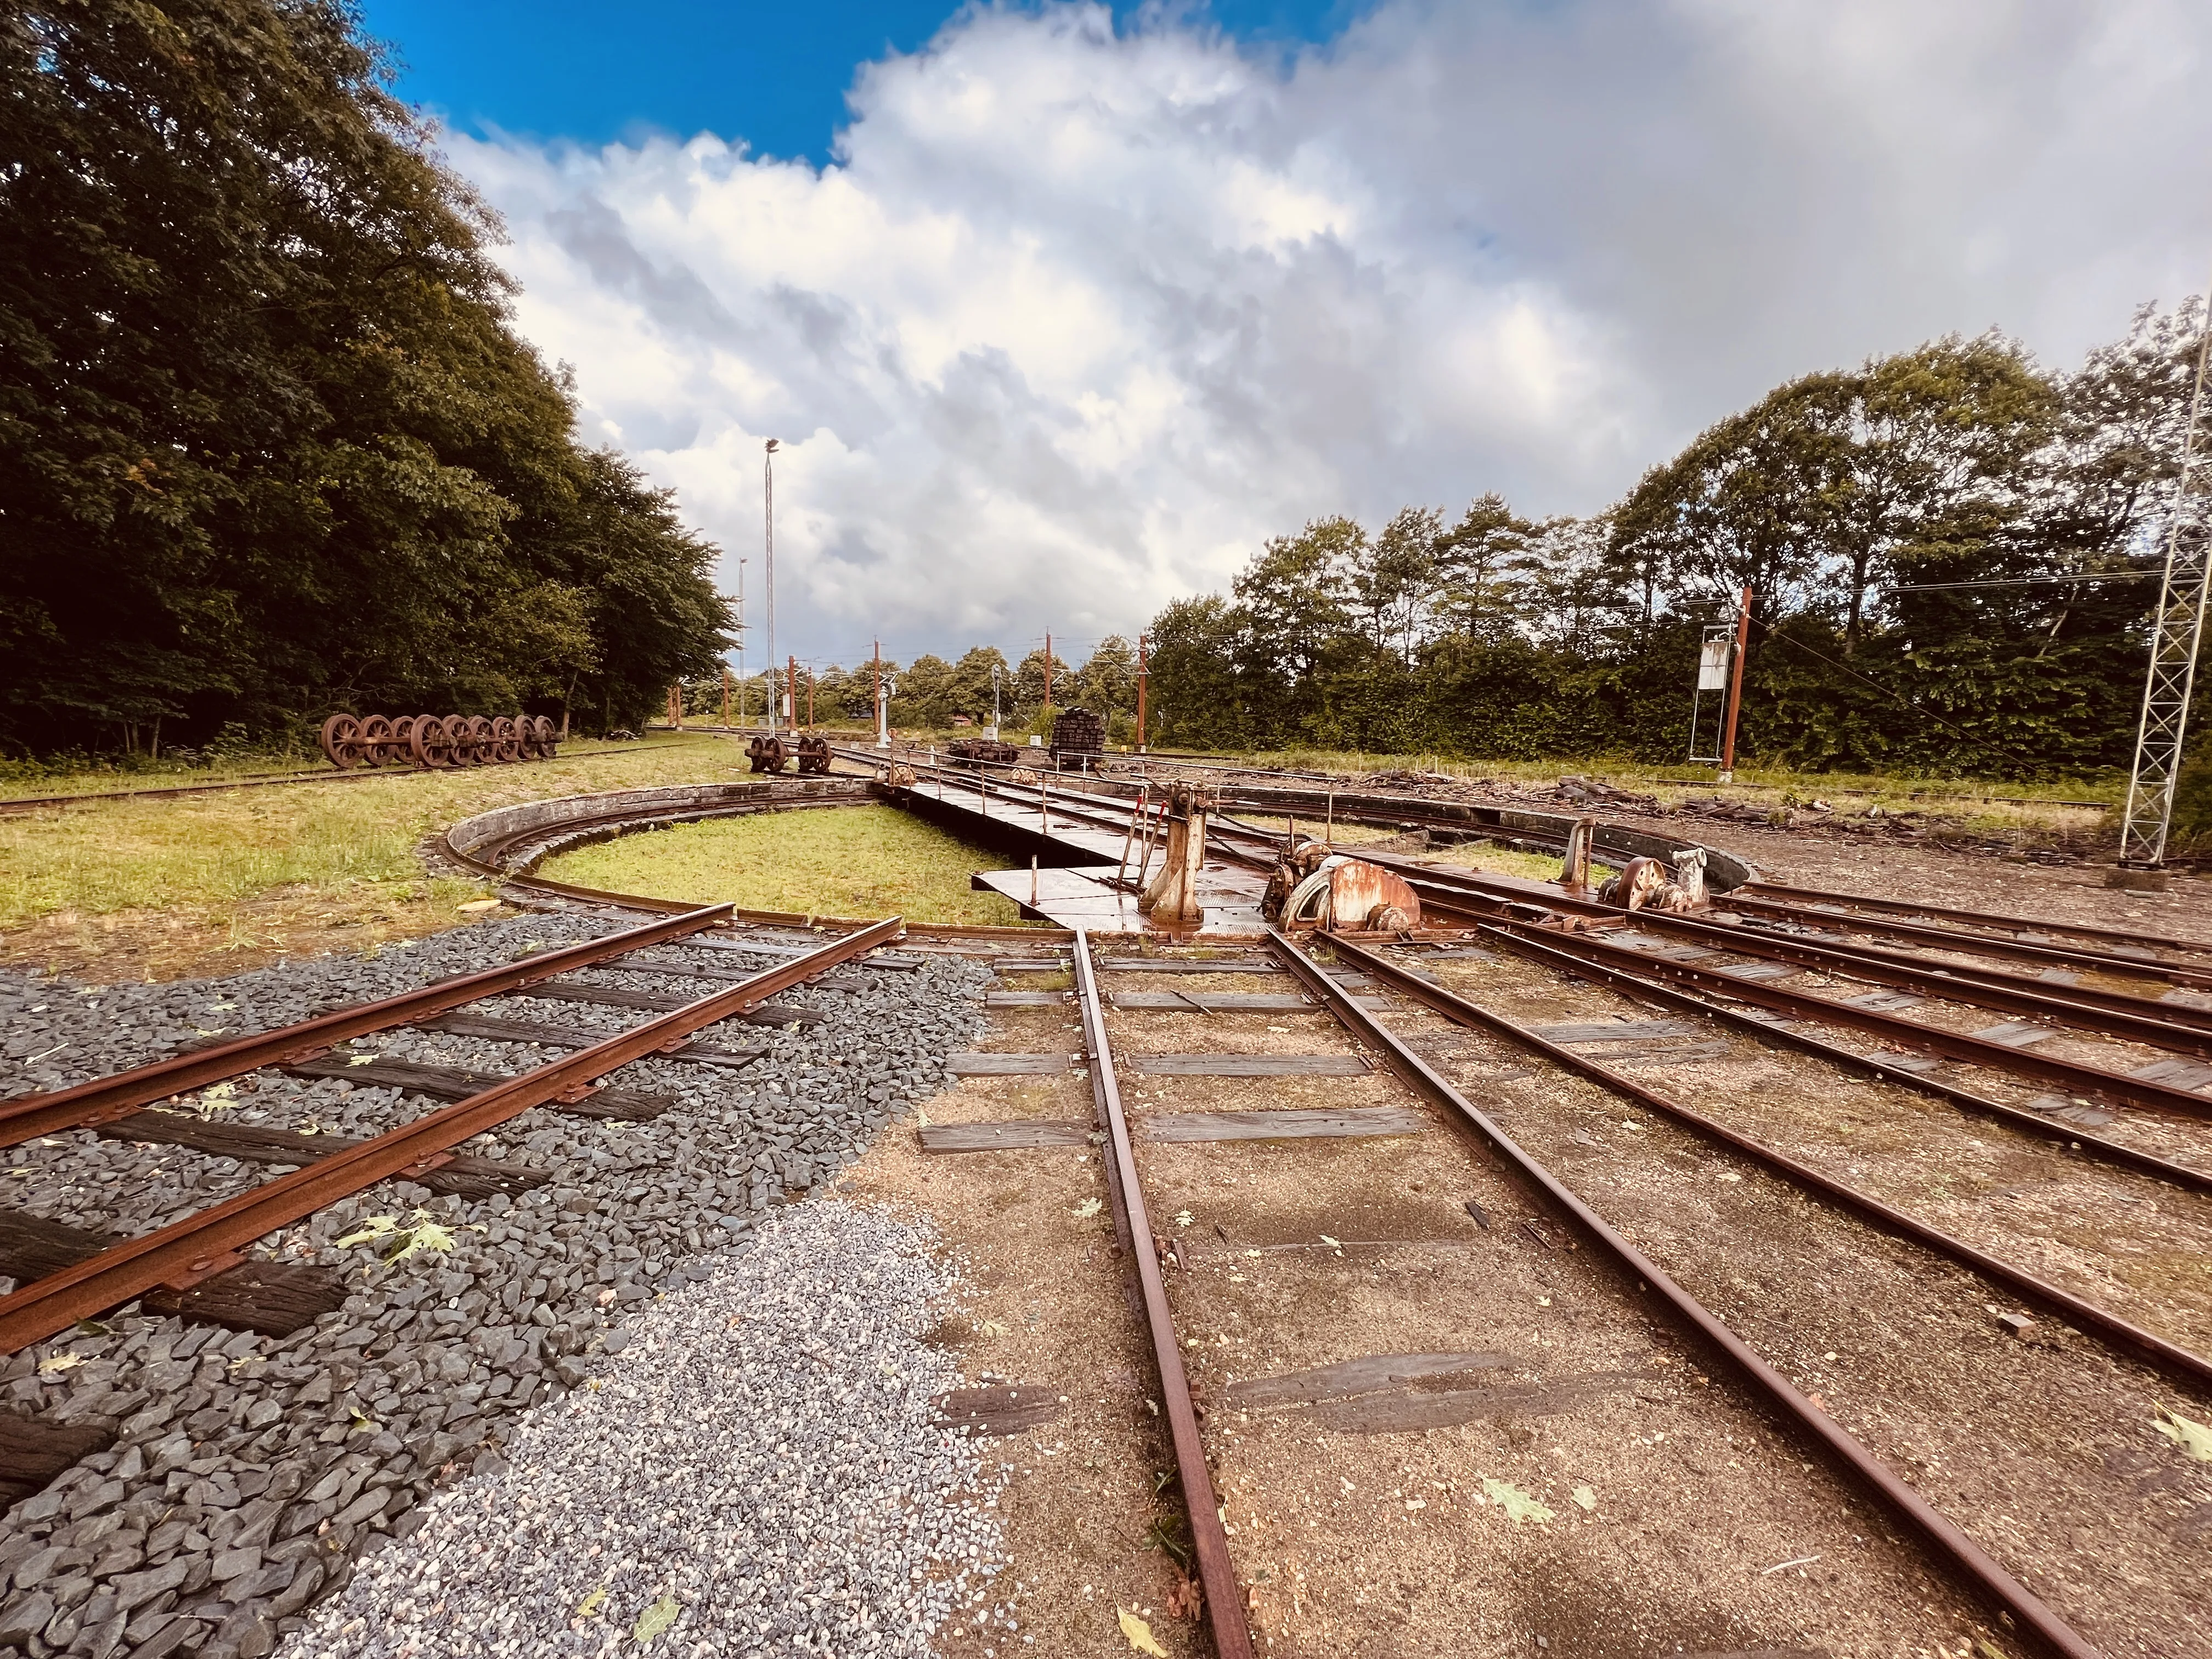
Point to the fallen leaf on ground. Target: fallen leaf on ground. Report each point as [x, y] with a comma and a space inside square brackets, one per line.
[377, 1226]
[2194, 1438]
[1139, 1633]
[479, 904]
[1585, 1497]
[1088, 1207]
[656, 1619]
[55, 1363]
[1184, 1597]
[1517, 1504]
[589, 1606]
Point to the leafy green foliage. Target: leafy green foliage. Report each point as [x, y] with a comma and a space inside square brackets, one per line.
[268, 444]
[1854, 505]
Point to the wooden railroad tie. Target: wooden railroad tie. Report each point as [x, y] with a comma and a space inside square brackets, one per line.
[274, 1298]
[1165, 1127]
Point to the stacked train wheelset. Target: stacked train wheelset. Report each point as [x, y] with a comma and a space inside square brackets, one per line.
[437, 742]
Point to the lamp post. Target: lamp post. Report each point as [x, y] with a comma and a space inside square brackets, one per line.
[741, 639]
[767, 485]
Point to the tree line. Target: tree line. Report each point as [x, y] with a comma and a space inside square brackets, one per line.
[1952, 554]
[930, 694]
[270, 446]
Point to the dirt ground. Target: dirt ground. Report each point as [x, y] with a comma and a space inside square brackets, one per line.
[1806, 857]
[2019, 1439]
[1596, 1490]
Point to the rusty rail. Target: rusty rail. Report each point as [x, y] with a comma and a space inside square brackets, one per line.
[1217, 1574]
[2169, 1358]
[1947, 938]
[1813, 898]
[2090, 1144]
[2020, 1603]
[30, 1115]
[2137, 1019]
[2082, 1079]
[186, 1252]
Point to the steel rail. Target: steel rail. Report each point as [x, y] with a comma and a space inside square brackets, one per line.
[1627, 979]
[1814, 897]
[1947, 938]
[2181, 1014]
[533, 883]
[2075, 1075]
[2168, 1358]
[1938, 937]
[2111, 1013]
[1965, 985]
[186, 1252]
[29, 1115]
[2005, 1591]
[1414, 808]
[1217, 1574]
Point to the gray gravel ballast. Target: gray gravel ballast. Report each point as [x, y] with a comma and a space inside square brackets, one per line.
[755, 1473]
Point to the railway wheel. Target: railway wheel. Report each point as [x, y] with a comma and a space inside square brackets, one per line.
[376, 740]
[342, 741]
[506, 741]
[431, 744]
[482, 751]
[402, 741]
[549, 737]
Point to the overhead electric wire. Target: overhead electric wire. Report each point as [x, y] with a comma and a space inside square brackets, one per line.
[2027, 582]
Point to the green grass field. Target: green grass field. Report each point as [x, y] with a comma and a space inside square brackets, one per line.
[201, 882]
[834, 861]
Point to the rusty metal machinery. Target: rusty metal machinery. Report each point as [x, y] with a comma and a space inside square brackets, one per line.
[982, 751]
[1312, 886]
[437, 742]
[814, 755]
[768, 754]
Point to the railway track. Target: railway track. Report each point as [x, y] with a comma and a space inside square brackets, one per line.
[200, 1257]
[1864, 1342]
[1419, 1150]
[2115, 1047]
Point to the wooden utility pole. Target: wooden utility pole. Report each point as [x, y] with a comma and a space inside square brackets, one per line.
[791, 689]
[1736, 685]
[1141, 678]
[1047, 671]
[809, 700]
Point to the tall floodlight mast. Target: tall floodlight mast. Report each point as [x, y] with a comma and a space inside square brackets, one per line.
[2175, 640]
[768, 488]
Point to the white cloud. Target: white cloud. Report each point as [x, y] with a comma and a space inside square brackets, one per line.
[1077, 318]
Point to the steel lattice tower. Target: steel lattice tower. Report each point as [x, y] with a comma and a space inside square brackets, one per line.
[2179, 631]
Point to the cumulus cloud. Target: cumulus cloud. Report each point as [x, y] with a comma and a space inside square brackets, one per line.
[1077, 318]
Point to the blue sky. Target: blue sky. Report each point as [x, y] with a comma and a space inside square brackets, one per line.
[1086, 314]
[774, 76]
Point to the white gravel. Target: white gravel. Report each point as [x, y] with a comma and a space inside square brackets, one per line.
[759, 1462]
